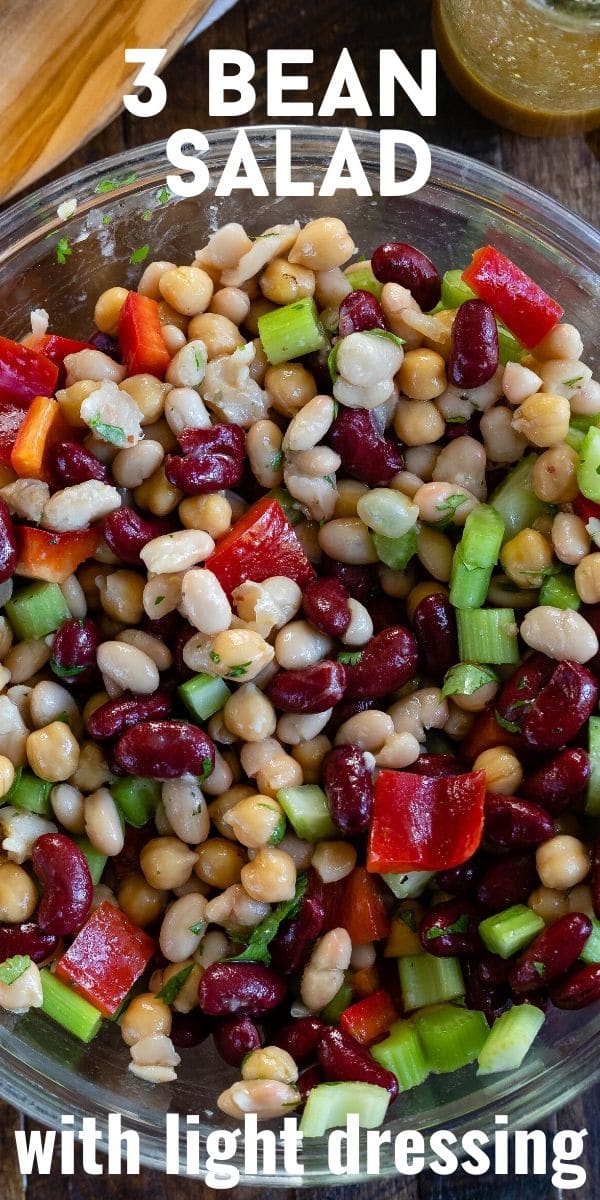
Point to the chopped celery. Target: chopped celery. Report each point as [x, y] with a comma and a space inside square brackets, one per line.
[406, 884]
[68, 1009]
[328, 1106]
[592, 803]
[559, 591]
[454, 290]
[203, 695]
[487, 635]
[361, 278]
[30, 793]
[575, 437]
[12, 968]
[466, 678]
[36, 610]
[515, 500]
[291, 331]
[396, 552]
[591, 950]
[588, 469]
[425, 979]
[96, 861]
[510, 1038]
[507, 932]
[582, 424]
[451, 1037]
[342, 1000]
[401, 1053]
[510, 349]
[291, 507]
[136, 799]
[306, 809]
[475, 557]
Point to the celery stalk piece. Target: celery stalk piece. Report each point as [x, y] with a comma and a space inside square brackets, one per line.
[454, 290]
[575, 437]
[306, 808]
[291, 507]
[396, 552]
[328, 1106]
[560, 591]
[36, 610]
[361, 278]
[402, 1054]
[475, 557]
[515, 500]
[291, 331]
[450, 1037]
[591, 950]
[96, 861]
[68, 1009]
[487, 635]
[507, 932]
[341, 1001]
[407, 884]
[592, 803]
[136, 799]
[425, 980]
[510, 349]
[510, 1038]
[588, 469]
[204, 695]
[30, 793]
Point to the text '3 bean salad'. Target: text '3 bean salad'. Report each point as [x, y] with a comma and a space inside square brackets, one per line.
[299, 662]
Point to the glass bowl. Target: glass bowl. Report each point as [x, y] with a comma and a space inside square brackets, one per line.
[120, 208]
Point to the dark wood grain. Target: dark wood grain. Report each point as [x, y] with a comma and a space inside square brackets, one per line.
[568, 170]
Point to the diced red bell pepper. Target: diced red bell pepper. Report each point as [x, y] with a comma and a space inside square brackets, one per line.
[140, 337]
[55, 347]
[371, 1017]
[424, 824]
[11, 419]
[525, 308]
[588, 510]
[24, 373]
[357, 906]
[106, 958]
[485, 733]
[261, 544]
[51, 556]
[42, 426]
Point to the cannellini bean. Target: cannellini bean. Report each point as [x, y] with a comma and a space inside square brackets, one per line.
[186, 809]
[148, 644]
[263, 447]
[299, 644]
[440, 503]
[103, 823]
[310, 425]
[24, 993]
[463, 462]
[49, 701]
[269, 1098]
[20, 830]
[293, 728]
[562, 377]
[162, 594]
[186, 369]
[204, 603]
[559, 633]
[177, 551]
[132, 466]
[185, 409]
[369, 730]
[400, 750]
[519, 382]
[68, 807]
[112, 415]
[318, 495]
[92, 364]
[323, 975]
[183, 927]
[270, 1062]
[78, 506]
[127, 667]
[360, 629]
[268, 605]
[26, 498]
[13, 732]
[154, 1059]
[585, 401]
[424, 709]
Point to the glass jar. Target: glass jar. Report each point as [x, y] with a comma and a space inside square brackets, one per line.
[531, 65]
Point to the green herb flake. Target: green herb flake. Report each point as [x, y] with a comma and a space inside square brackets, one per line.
[12, 968]
[214, 657]
[159, 600]
[449, 507]
[350, 658]
[257, 949]
[199, 359]
[65, 672]
[164, 195]
[207, 769]
[330, 479]
[571, 383]
[464, 679]
[63, 251]
[106, 220]
[434, 932]
[169, 993]
[509, 726]
[198, 928]
[109, 433]
[147, 215]
[239, 670]
[111, 185]
[540, 968]
[140, 254]
[460, 925]
[276, 461]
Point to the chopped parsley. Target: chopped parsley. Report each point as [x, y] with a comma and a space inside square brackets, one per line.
[207, 769]
[257, 949]
[540, 968]
[449, 507]
[111, 185]
[159, 600]
[572, 382]
[198, 928]
[238, 670]
[214, 657]
[276, 461]
[63, 251]
[106, 220]
[164, 195]
[199, 359]
[140, 254]
[407, 916]
[350, 658]
[12, 968]
[147, 215]
[66, 672]
[464, 679]
[109, 433]
[171, 989]
[509, 726]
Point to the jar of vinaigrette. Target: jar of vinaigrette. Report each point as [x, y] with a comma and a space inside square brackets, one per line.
[531, 65]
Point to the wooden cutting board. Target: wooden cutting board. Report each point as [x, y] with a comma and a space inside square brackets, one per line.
[63, 72]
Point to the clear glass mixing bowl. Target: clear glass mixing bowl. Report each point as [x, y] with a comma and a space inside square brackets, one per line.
[466, 204]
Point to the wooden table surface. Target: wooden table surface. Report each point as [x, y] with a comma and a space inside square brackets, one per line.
[569, 170]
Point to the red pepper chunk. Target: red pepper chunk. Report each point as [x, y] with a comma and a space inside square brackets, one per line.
[24, 373]
[11, 419]
[140, 337]
[261, 544]
[356, 904]
[44, 554]
[56, 347]
[369, 1018]
[106, 958]
[525, 308]
[425, 824]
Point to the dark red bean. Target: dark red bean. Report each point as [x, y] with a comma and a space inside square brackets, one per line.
[511, 822]
[551, 954]
[181, 670]
[383, 612]
[349, 788]
[481, 994]
[434, 625]
[438, 766]
[293, 943]
[240, 989]
[343, 711]
[398, 262]
[309, 689]
[580, 988]
[307, 1080]
[26, 939]
[235, 1037]
[300, 1038]
[360, 581]
[165, 750]
[66, 883]
[557, 783]
[508, 881]
[474, 353]
[115, 716]
[189, 1029]
[493, 969]
[462, 880]
[469, 428]
[359, 311]
[325, 603]
[451, 928]
[164, 628]
[212, 459]
[107, 344]
[386, 663]
[8, 544]
[548, 701]
[344, 1059]
[591, 612]
[365, 452]
[126, 532]
[74, 647]
[595, 877]
[72, 463]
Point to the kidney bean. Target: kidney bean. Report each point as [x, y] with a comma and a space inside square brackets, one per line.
[235, 1037]
[365, 452]
[360, 310]
[462, 880]
[126, 532]
[189, 1029]
[508, 881]
[72, 463]
[437, 766]
[325, 603]
[481, 994]
[551, 954]
[164, 628]
[474, 350]
[434, 625]
[300, 1038]
[451, 928]
[309, 689]
[240, 989]
[292, 945]
[383, 612]
[578, 989]
[360, 581]
[107, 344]
[548, 701]
[386, 663]
[74, 647]
[212, 459]
[344, 1059]
[493, 969]
[26, 939]
[8, 544]
[66, 882]
[349, 788]
[128, 860]
[557, 783]
[469, 428]
[165, 750]
[115, 716]
[398, 262]
[512, 822]
[307, 1080]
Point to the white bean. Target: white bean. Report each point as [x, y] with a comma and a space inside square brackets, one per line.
[103, 823]
[177, 551]
[204, 602]
[299, 644]
[183, 927]
[185, 409]
[78, 506]
[128, 668]
[186, 810]
[132, 466]
[560, 633]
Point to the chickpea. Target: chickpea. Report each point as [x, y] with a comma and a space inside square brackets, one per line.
[549, 904]
[255, 820]
[310, 755]
[219, 863]
[18, 894]
[543, 419]
[435, 552]
[121, 596]
[422, 375]
[108, 308]
[142, 903]
[249, 715]
[283, 282]
[554, 477]
[231, 302]
[503, 770]
[562, 862]
[282, 772]
[418, 424]
[7, 775]
[53, 752]
[587, 578]
[420, 592]
[145, 1016]
[271, 876]
[270, 1062]
[322, 244]
[157, 495]
[149, 395]
[212, 513]
[290, 386]
[167, 863]
[333, 860]
[220, 335]
[187, 289]
[526, 558]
